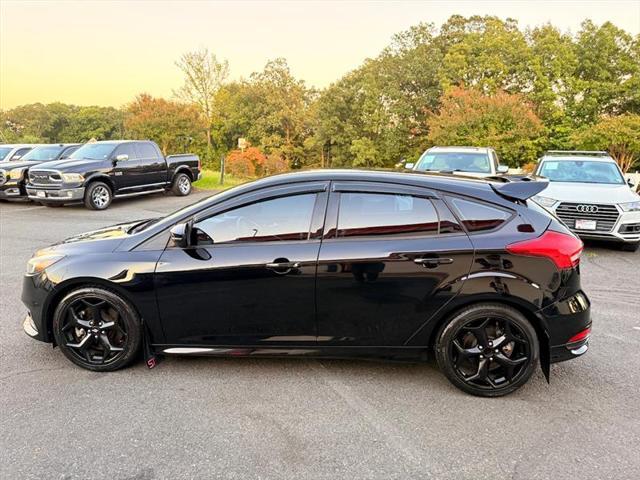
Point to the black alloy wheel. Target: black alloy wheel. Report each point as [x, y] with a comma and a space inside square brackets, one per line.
[97, 329]
[488, 350]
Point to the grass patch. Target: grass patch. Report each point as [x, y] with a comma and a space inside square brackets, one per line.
[210, 180]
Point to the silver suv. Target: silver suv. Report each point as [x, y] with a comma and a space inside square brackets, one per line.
[588, 191]
[470, 161]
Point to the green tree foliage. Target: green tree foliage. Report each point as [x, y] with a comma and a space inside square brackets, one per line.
[503, 120]
[620, 136]
[172, 125]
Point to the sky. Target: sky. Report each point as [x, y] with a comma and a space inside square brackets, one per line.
[105, 52]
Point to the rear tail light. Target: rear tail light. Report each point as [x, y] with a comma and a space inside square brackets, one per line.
[584, 334]
[562, 249]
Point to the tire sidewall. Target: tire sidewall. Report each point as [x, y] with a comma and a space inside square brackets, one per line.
[176, 189]
[130, 319]
[88, 200]
[449, 330]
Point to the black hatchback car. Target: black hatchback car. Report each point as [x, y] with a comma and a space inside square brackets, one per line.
[328, 264]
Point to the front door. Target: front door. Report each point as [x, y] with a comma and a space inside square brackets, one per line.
[250, 277]
[391, 257]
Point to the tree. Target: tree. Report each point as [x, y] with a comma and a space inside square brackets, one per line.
[100, 123]
[503, 121]
[246, 163]
[172, 125]
[204, 76]
[620, 136]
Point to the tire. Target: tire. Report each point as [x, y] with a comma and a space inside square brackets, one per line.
[181, 186]
[97, 329]
[630, 247]
[463, 359]
[98, 196]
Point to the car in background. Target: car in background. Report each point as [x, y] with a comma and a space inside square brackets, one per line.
[326, 263]
[99, 171]
[479, 162]
[588, 192]
[13, 174]
[14, 151]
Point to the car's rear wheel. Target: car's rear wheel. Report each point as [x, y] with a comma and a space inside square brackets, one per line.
[98, 196]
[181, 185]
[488, 350]
[97, 329]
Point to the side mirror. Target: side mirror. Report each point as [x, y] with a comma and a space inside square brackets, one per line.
[180, 235]
[630, 183]
[503, 169]
[122, 157]
[16, 157]
[409, 165]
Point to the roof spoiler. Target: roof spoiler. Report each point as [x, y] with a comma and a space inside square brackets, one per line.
[518, 187]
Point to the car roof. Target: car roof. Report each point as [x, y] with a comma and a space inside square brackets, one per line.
[580, 158]
[20, 145]
[57, 145]
[459, 149]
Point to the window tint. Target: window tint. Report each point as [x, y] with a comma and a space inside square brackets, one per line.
[285, 218]
[21, 152]
[384, 214]
[477, 217]
[146, 150]
[127, 149]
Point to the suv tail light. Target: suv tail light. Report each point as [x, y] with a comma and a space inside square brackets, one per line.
[562, 249]
[578, 337]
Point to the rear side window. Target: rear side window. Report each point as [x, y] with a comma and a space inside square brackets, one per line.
[146, 150]
[363, 214]
[479, 217]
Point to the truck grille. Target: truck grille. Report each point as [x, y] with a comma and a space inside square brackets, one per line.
[44, 178]
[3, 177]
[605, 216]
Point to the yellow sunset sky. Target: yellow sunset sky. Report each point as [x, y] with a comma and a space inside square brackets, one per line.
[105, 52]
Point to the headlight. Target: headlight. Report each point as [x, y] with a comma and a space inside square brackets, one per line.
[16, 173]
[72, 178]
[630, 207]
[39, 264]
[544, 201]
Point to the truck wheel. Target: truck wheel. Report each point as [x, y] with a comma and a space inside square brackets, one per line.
[97, 196]
[181, 185]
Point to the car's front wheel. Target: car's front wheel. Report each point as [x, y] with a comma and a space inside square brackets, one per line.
[98, 196]
[97, 329]
[488, 350]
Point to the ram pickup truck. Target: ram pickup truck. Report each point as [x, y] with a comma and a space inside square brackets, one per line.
[98, 172]
[13, 173]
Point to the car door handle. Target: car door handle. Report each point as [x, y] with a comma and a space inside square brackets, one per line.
[280, 265]
[433, 262]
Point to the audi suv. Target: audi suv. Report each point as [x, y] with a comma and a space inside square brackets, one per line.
[326, 263]
[588, 192]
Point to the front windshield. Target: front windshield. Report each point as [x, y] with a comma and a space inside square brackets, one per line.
[454, 162]
[580, 171]
[50, 152]
[94, 151]
[4, 151]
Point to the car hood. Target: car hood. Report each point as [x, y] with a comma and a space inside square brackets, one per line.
[105, 240]
[19, 164]
[589, 193]
[72, 165]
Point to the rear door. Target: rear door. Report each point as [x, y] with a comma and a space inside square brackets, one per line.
[153, 163]
[391, 257]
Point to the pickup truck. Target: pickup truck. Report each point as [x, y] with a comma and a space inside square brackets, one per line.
[98, 172]
[469, 161]
[13, 173]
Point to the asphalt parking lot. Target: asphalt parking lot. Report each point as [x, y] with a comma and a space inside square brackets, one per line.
[288, 418]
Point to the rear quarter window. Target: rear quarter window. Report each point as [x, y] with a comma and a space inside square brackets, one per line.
[479, 217]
